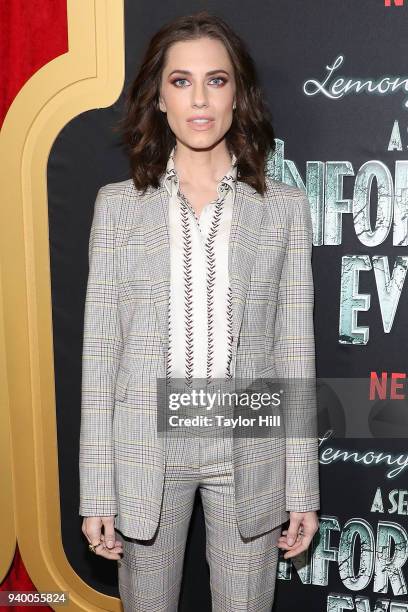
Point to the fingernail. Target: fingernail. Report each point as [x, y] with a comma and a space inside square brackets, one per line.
[290, 540]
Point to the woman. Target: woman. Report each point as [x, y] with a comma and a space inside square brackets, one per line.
[199, 268]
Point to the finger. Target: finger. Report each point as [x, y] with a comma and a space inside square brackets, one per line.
[87, 535]
[93, 531]
[113, 553]
[300, 538]
[117, 548]
[117, 544]
[109, 554]
[283, 539]
[84, 531]
[294, 526]
[294, 552]
[284, 543]
[102, 549]
[298, 533]
[309, 529]
[300, 546]
[285, 531]
[292, 535]
[109, 533]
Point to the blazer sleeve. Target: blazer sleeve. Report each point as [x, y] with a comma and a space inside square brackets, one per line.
[294, 354]
[102, 346]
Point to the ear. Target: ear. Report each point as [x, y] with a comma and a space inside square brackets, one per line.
[162, 105]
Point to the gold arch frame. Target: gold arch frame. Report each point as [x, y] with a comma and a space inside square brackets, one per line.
[90, 75]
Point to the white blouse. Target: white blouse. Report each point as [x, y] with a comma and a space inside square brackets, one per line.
[200, 315]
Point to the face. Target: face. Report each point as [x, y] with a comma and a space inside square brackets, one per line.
[198, 80]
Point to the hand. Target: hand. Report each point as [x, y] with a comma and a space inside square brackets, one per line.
[105, 543]
[308, 524]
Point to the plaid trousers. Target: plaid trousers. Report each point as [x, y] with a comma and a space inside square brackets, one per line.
[242, 570]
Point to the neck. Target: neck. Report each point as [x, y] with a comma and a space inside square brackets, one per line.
[201, 166]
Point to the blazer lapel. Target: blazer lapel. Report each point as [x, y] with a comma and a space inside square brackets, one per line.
[247, 215]
[155, 223]
[246, 224]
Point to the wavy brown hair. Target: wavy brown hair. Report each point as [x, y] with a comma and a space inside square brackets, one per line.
[145, 130]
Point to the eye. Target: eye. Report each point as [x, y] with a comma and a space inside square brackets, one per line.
[220, 79]
[177, 80]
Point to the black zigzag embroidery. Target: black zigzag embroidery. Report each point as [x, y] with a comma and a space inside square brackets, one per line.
[188, 296]
[169, 351]
[211, 272]
[228, 374]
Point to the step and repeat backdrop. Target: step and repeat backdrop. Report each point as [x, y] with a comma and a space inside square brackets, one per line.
[335, 76]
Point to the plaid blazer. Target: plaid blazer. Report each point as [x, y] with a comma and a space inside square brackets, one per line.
[121, 459]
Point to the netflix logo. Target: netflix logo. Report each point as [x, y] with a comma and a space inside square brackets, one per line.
[388, 386]
[394, 2]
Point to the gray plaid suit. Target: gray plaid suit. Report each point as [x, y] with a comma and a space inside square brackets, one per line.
[125, 338]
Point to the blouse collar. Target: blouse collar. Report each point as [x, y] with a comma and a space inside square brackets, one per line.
[170, 178]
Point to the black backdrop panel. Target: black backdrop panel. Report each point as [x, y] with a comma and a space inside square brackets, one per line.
[293, 43]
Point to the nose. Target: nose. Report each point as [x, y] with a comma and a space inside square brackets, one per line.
[199, 95]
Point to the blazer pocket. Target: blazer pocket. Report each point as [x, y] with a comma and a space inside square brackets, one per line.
[122, 381]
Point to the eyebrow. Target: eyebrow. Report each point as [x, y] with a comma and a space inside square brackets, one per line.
[209, 73]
